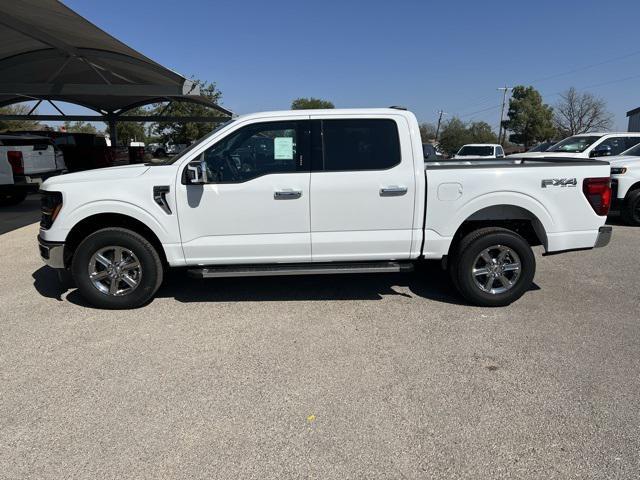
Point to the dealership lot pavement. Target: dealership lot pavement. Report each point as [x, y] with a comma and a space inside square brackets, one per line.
[324, 377]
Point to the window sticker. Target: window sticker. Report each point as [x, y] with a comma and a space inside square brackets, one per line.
[283, 148]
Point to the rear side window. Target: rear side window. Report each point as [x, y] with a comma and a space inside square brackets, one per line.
[367, 144]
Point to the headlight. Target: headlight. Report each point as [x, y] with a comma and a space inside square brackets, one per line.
[618, 171]
[51, 203]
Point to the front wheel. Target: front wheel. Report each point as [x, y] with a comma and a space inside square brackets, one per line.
[116, 268]
[493, 267]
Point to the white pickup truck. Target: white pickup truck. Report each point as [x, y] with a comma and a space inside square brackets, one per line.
[25, 162]
[625, 183]
[319, 192]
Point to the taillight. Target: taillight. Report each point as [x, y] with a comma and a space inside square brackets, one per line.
[15, 160]
[598, 193]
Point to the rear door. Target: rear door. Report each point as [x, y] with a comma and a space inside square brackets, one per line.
[362, 188]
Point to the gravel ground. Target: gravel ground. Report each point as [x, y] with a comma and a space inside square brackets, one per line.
[376, 376]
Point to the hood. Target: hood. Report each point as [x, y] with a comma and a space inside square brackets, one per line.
[101, 174]
[622, 161]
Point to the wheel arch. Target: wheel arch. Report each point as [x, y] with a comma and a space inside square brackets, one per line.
[512, 217]
[95, 222]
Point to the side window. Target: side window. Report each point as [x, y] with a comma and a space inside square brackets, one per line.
[617, 144]
[253, 151]
[367, 144]
[631, 142]
[499, 152]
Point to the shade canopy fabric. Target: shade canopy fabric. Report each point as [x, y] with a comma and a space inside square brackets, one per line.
[49, 52]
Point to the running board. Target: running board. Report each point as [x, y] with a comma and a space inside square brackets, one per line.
[299, 269]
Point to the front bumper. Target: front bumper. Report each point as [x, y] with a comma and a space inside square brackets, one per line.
[52, 253]
[604, 237]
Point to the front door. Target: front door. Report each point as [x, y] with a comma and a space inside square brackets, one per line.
[254, 207]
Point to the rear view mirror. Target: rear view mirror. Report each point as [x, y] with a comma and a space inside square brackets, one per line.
[197, 173]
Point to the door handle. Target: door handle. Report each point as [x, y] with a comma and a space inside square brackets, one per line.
[393, 191]
[287, 194]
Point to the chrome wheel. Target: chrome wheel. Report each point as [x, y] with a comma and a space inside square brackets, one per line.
[497, 269]
[115, 271]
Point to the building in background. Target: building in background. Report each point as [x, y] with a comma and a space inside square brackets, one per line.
[634, 120]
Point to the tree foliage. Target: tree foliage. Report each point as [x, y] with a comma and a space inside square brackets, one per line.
[455, 133]
[310, 104]
[528, 117]
[19, 109]
[80, 127]
[427, 132]
[186, 132]
[578, 112]
[132, 131]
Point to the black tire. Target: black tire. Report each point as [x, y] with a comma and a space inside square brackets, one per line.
[467, 256]
[151, 271]
[14, 198]
[630, 210]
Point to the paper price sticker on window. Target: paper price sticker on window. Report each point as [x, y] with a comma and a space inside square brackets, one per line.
[283, 148]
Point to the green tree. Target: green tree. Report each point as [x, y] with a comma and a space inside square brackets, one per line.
[17, 124]
[186, 132]
[131, 131]
[480, 132]
[528, 117]
[80, 127]
[427, 132]
[453, 135]
[310, 104]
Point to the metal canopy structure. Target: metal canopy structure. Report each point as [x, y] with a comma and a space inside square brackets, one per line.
[50, 53]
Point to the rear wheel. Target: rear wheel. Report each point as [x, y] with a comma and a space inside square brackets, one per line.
[116, 268]
[14, 198]
[493, 267]
[631, 208]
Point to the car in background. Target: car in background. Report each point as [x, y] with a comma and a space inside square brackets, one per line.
[480, 150]
[88, 151]
[625, 185]
[590, 145]
[25, 162]
[542, 147]
[431, 153]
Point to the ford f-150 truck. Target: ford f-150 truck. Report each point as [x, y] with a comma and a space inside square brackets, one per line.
[319, 192]
[625, 183]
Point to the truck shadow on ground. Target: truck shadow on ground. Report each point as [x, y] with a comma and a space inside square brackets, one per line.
[428, 281]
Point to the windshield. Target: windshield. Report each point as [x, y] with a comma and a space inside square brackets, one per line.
[170, 160]
[633, 151]
[574, 144]
[478, 151]
[542, 147]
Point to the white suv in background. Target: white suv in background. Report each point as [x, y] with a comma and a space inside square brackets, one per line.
[480, 150]
[589, 145]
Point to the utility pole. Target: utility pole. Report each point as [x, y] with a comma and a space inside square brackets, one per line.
[440, 114]
[504, 90]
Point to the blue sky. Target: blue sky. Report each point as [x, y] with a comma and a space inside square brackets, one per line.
[421, 54]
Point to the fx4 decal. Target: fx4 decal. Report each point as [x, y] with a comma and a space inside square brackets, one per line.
[559, 182]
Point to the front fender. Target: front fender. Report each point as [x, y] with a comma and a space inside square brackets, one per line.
[68, 219]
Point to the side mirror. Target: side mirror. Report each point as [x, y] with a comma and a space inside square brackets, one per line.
[197, 173]
[601, 151]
